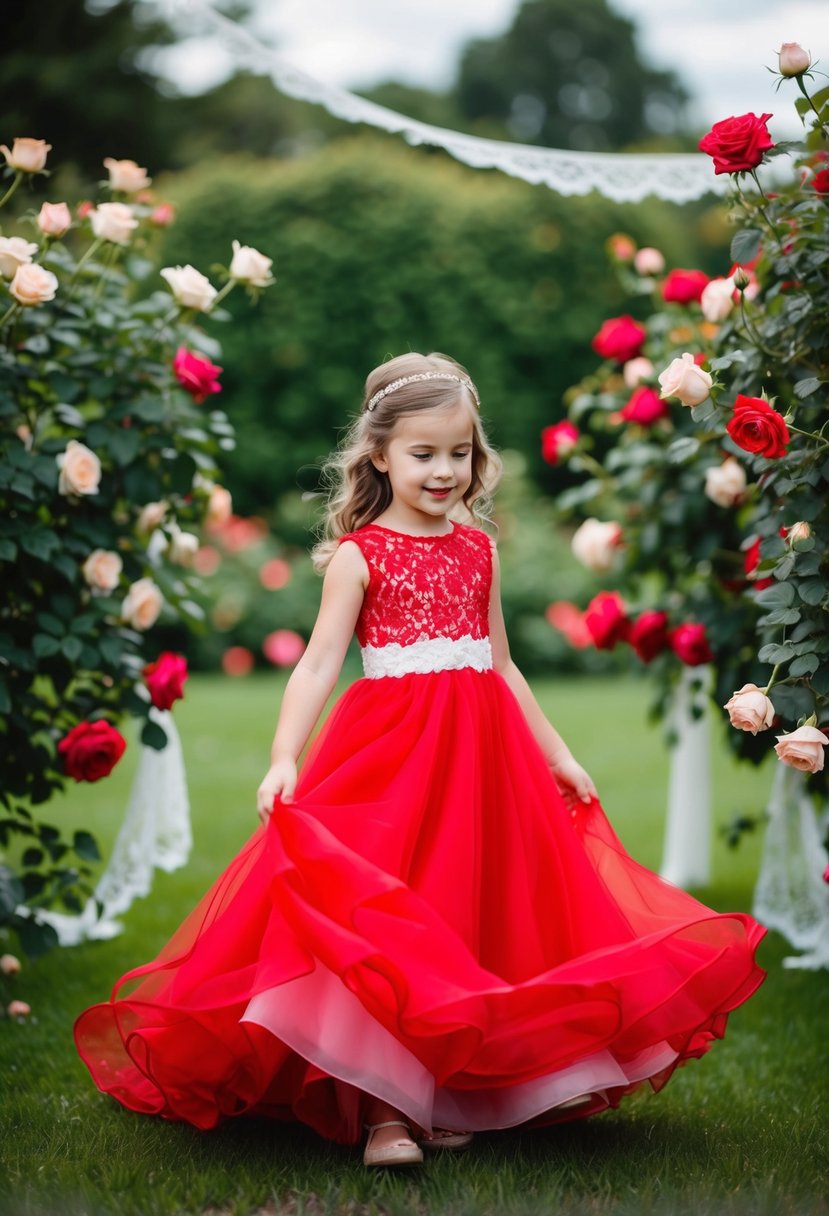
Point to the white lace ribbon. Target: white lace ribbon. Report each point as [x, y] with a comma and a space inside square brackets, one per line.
[790, 895]
[155, 834]
[427, 655]
[623, 177]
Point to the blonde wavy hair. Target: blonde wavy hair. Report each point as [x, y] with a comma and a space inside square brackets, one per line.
[357, 491]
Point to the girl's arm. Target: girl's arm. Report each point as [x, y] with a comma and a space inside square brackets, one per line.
[568, 772]
[312, 680]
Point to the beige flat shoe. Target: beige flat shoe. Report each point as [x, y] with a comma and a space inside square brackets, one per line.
[440, 1138]
[402, 1152]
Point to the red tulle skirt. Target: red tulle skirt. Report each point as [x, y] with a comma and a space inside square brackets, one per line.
[430, 924]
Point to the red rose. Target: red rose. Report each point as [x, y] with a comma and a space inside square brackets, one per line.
[645, 407]
[820, 182]
[649, 634]
[606, 620]
[690, 644]
[737, 144]
[620, 338]
[91, 750]
[558, 441]
[684, 286]
[751, 560]
[165, 679]
[196, 374]
[756, 427]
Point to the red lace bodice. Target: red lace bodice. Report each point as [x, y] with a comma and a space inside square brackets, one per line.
[423, 586]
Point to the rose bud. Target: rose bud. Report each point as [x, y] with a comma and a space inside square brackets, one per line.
[558, 441]
[9, 964]
[18, 1009]
[689, 643]
[26, 155]
[126, 175]
[54, 219]
[802, 749]
[165, 679]
[798, 532]
[750, 709]
[648, 261]
[649, 634]
[163, 215]
[793, 60]
[725, 483]
[620, 338]
[606, 620]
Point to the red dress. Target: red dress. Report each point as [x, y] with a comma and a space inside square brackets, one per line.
[427, 922]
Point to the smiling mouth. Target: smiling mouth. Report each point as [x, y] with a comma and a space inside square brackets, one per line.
[440, 493]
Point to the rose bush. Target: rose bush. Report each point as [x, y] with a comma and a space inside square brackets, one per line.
[723, 503]
[108, 461]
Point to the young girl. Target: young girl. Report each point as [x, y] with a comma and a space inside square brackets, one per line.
[435, 930]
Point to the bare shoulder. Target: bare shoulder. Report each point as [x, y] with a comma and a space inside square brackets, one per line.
[347, 565]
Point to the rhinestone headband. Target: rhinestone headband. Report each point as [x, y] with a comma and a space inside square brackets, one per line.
[395, 384]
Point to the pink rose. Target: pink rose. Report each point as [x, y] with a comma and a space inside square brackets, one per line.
[32, 285]
[725, 484]
[802, 749]
[26, 155]
[648, 261]
[9, 964]
[689, 643]
[684, 379]
[142, 604]
[54, 219]
[283, 647]
[621, 247]
[620, 338]
[637, 370]
[113, 222]
[607, 620]
[750, 709]
[649, 634]
[80, 469]
[717, 300]
[15, 252]
[219, 507]
[793, 60]
[102, 569]
[126, 175]
[569, 620]
[91, 750]
[196, 374]
[163, 215]
[594, 544]
[18, 1009]
[645, 407]
[151, 515]
[558, 441]
[165, 679]
[684, 286]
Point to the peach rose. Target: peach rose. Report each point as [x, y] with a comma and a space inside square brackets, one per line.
[32, 285]
[802, 749]
[219, 507]
[142, 604]
[793, 60]
[183, 547]
[102, 569]
[126, 175]
[717, 299]
[18, 1009]
[250, 266]
[151, 516]
[27, 155]
[54, 219]
[113, 222]
[683, 379]
[648, 261]
[798, 532]
[14, 253]
[725, 484]
[9, 964]
[750, 709]
[595, 543]
[190, 287]
[80, 469]
[636, 370]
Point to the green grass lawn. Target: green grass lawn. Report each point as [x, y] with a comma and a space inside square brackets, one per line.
[743, 1131]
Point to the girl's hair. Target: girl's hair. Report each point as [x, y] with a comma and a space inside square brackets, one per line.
[357, 491]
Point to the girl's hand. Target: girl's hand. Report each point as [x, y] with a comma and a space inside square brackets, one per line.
[279, 781]
[574, 782]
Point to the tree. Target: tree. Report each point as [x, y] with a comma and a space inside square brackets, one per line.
[569, 76]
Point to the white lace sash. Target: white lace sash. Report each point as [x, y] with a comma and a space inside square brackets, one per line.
[427, 655]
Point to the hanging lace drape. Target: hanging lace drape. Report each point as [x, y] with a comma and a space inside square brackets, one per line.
[155, 834]
[686, 858]
[790, 894]
[622, 177]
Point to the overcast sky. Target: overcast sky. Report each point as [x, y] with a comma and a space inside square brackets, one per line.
[719, 48]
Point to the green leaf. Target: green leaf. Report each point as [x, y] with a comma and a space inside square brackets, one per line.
[51, 624]
[86, 846]
[36, 937]
[5, 697]
[812, 591]
[745, 245]
[804, 665]
[805, 388]
[782, 616]
[41, 544]
[124, 443]
[820, 681]
[8, 550]
[111, 649]
[682, 449]
[775, 653]
[72, 647]
[44, 646]
[154, 736]
[70, 416]
[705, 410]
[781, 595]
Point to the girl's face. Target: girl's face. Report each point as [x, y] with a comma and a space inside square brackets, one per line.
[428, 460]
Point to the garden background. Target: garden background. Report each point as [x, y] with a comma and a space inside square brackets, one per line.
[376, 249]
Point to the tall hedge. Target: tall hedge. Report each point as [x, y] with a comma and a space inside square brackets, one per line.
[379, 249]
